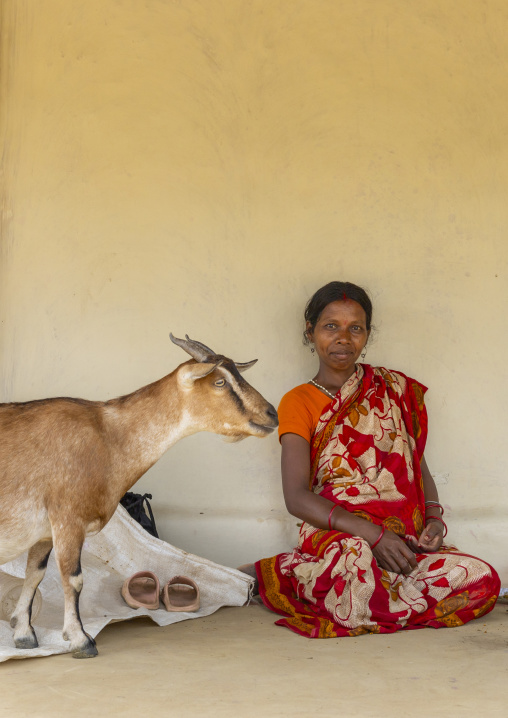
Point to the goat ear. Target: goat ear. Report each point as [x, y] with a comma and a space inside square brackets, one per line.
[189, 373]
[243, 366]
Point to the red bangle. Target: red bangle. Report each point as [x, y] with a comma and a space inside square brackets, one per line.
[378, 538]
[330, 516]
[438, 518]
[434, 505]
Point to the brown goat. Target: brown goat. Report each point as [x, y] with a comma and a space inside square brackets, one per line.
[66, 463]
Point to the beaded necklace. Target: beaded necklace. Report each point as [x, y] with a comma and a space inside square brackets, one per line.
[332, 396]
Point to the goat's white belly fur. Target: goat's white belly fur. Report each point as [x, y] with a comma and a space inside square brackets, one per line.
[15, 542]
[23, 535]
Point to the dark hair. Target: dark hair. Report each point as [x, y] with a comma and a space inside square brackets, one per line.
[333, 292]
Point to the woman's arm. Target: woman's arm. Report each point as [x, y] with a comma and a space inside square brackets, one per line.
[391, 552]
[429, 487]
[431, 538]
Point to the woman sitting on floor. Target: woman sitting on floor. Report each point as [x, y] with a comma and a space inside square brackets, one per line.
[371, 557]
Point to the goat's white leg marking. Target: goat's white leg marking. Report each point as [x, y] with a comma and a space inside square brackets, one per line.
[24, 634]
[68, 544]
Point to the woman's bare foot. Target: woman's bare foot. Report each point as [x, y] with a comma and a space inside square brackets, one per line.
[250, 570]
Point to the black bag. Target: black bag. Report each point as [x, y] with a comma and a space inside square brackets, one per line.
[134, 505]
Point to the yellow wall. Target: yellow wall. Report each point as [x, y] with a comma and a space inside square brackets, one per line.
[203, 166]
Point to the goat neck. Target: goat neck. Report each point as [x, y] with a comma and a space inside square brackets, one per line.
[145, 424]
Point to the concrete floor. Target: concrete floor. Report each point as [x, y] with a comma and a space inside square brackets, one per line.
[237, 664]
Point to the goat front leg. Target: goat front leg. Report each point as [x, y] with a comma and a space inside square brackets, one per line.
[21, 619]
[68, 541]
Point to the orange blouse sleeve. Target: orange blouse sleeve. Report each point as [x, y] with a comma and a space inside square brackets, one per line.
[300, 409]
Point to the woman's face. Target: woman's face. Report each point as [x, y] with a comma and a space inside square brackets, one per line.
[340, 335]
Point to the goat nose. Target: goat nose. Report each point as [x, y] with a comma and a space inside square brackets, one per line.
[272, 413]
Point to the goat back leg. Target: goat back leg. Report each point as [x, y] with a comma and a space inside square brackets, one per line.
[68, 542]
[21, 619]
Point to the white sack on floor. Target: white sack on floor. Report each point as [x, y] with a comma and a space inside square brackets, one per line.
[119, 550]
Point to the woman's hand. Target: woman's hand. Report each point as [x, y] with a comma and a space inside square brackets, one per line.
[431, 538]
[392, 554]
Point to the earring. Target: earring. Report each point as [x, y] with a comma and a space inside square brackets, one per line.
[363, 354]
[312, 350]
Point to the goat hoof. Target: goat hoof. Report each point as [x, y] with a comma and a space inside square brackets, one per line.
[88, 650]
[27, 641]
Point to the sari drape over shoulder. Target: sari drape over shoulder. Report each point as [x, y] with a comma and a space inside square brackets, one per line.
[365, 456]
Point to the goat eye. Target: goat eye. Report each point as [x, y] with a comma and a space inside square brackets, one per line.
[220, 382]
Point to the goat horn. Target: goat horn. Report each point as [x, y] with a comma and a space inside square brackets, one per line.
[203, 346]
[198, 351]
[243, 366]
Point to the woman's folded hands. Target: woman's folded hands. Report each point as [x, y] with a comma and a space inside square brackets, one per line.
[431, 538]
[392, 554]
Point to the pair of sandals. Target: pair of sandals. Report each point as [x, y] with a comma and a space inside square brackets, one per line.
[142, 590]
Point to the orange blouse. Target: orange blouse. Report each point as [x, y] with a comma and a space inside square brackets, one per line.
[300, 409]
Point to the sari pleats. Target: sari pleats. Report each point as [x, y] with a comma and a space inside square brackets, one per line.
[343, 592]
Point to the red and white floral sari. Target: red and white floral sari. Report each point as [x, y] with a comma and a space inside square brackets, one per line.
[365, 456]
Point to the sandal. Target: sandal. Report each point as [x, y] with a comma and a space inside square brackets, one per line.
[181, 594]
[141, 590]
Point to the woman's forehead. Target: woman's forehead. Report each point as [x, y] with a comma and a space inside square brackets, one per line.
[344, 309]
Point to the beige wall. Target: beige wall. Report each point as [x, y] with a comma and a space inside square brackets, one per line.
[203, 166]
